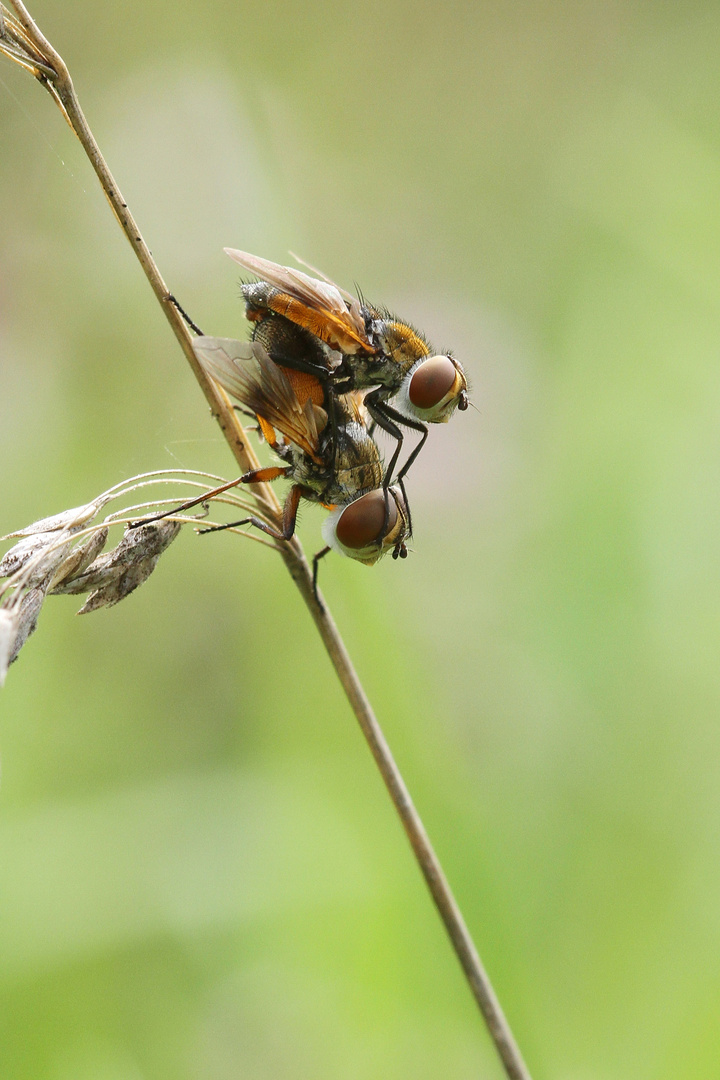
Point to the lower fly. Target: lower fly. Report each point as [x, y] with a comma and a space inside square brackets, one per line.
[338, 467]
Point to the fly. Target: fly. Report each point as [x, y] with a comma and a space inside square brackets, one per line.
[342, 470]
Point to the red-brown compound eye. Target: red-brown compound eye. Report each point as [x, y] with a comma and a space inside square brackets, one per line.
[432, 381]
[361, 523]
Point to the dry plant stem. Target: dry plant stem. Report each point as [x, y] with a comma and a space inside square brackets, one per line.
[60, 85]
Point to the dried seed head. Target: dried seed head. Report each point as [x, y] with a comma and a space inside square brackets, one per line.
[78, 561]
[41, 555]
[115, 575]
[51, 536]
[74, 519]
[61, 554]
[47, 559]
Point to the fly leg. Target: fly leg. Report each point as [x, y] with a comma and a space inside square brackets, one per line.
[392, 429]
[316, 559]
[403, 472]
[245, 412]
[256, 476]
[170, 299]
[289, 518]
[251, 416]
[308, 367]
[389, 420]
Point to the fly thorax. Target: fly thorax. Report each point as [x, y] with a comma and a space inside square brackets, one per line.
[401, 346]
[377, 370]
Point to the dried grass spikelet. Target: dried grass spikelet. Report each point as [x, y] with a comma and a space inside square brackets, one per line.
[44, 545]
[63, 555]
[114, 576]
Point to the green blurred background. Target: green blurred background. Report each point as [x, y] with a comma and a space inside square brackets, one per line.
[201, 875]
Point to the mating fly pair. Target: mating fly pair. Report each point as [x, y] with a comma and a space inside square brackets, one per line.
[320, 330]
[322, 369]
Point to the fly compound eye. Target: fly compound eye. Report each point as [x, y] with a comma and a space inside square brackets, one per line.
[361, 523]
[432, 381]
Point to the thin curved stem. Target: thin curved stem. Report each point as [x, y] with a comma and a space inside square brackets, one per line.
[44, 57]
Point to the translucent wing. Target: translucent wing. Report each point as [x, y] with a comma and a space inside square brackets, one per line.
[342, 314]
[352, 302]
[246, 372]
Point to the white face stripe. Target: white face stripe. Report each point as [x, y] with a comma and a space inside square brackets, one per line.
[402, 401]
[329, 530]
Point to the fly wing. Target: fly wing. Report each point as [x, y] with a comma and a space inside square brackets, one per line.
[246, 372]
[324, 297]
[318, 294]
[352, 302]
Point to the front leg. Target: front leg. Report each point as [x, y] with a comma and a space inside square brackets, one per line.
[170, 299]
[375, 404]
[389, 419]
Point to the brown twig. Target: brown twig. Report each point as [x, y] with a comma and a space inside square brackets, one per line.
[22, 41]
